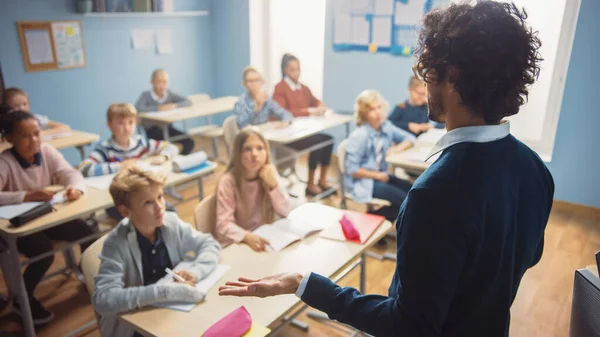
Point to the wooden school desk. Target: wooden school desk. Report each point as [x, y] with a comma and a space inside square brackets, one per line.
[91, 201]
[77, 139]
[411, 160]
[303, 256]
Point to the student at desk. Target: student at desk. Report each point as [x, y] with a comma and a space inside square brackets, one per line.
[162, 99]
[25, 170]
[137, 251]
[366, 169]
[297, 98]
[412, 115]
[124, 148]
[249, 194]
[14, 99]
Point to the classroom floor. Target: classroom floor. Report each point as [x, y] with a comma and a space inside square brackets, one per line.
[542, 307]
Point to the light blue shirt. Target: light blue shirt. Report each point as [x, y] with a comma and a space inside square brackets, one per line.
[361, 153]
[467, 134]
[244, 113]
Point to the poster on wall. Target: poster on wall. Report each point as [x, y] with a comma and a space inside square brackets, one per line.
[68, 44]
[379, 26]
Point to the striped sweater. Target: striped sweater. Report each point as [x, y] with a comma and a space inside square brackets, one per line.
[108, 155]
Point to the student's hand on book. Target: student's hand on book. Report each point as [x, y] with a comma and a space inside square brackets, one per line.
[165, 107]
[157, 160]
[268, 175]
[189, 278]
[182, 292]
[128, 163]
[72, 194]
[257, 243]
[286, 283]
[426, 127]
[41, 195]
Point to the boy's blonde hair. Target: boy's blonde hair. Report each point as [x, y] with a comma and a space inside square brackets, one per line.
[247, 70]
[120, 110]
[414, 82]
[130, 180]
[158, 72]
[364, 102]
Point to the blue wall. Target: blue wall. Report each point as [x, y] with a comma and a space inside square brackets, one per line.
[575, 164]
[114, 72]
[576, 161]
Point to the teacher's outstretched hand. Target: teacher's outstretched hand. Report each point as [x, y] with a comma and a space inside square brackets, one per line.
[280, 284]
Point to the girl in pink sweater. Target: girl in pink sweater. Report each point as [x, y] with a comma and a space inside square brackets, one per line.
[25, 170]
[249, 194]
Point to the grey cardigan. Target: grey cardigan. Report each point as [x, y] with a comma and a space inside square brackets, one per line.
[119, 283]
[147, 104]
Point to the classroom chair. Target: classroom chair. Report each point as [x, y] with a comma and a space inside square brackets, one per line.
[90, 264]
[230, 129]
[374, 203]
[211, 131]
[585, 309]
[205, 214]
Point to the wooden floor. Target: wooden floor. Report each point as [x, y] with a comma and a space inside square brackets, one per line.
[542, 307]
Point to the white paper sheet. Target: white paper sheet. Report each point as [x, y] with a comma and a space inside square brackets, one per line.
[204, 285]
[341, 28]
[182, 163]
[10, 211]
[58, 198]
[384, 7]
[360, 31]
[410, 13]
[382, 31]
[164, 43]
[100, 182]
[431, 137]
[278, 238]
[142, 38]
[57, 135]
[39, 46]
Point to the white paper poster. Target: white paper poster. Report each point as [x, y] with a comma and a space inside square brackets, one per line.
[164, 43]
[39, 46]
[69, 44]
[142, 38]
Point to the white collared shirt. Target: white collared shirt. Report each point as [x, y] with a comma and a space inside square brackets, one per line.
[471, 134]
[291, 84]
[157, 99]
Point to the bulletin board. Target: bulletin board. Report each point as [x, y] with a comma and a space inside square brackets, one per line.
[51, 45]
[379, 26]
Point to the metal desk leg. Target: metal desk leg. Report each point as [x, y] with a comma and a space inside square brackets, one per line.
[215, 148]
[19, 292]
[200, 189]
[165, 130]
[347, 129]
[363, 274]
[81, 152]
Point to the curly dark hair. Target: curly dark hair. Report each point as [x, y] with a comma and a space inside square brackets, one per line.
[486, 50]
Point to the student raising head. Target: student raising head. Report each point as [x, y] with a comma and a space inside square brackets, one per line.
[297, 98]
[366, 174]
[249, 194]
[15, 99]
[26, 170]
[160, 98]
[412, 115]
[137, 251]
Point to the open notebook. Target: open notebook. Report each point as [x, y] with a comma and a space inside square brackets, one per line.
[286, 231]
[203, 285]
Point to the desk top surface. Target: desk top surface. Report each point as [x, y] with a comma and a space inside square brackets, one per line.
[304, 256]
[73, 139]
[302, 127]
[200, 108]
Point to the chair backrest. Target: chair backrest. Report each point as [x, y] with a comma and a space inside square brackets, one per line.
[585, 310]
[90, 263]
[341, 155]
[230, 130]
[198, 98]
[205, 214]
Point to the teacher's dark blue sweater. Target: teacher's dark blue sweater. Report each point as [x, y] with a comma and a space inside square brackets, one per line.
[471, 226]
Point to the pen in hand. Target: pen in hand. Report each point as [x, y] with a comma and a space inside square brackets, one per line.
[175, 276]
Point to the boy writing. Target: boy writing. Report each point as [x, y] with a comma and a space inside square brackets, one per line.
[137, 251]
[412, 115]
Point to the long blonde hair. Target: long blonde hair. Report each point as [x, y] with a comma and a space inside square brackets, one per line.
[236, 169]
[364, 102]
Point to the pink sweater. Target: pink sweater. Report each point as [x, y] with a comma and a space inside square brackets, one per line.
[53, 170]
[233, 219]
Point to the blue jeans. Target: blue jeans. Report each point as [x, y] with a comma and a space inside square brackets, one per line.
[394, 191]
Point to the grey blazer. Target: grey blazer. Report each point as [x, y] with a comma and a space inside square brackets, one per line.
[119, 283]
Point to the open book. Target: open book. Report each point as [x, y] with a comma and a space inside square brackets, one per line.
[286, 231]
[203, 285]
